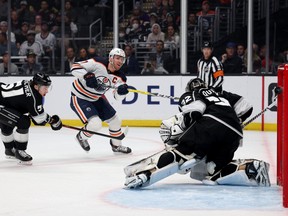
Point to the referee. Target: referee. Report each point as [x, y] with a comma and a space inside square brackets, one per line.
[209, 69]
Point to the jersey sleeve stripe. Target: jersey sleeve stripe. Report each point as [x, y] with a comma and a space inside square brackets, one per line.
[83, 91]
[78, 109]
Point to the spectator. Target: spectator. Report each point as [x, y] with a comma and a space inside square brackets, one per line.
[262, 55]
[150, 66]
[24, 13]
[47, 39]
[163, 60]
[4, 28]
[139, 14]
[192, 20]
[70, 59]
[131, 66]
[83, 55]
[4, 65]
[31, 44]
[92, 51]
[240, 52]
[134, 32]
[4, 45]
[44, 11]
[153, 19]
[37, 24]
[15, 24]
[157, 8]
[122, 35]
[3, 9]
[70, 11]
[155, 35]
[171, 38]
[230, 60]
[205, 9]
[22, 36]
[31, 67]
[255, 58]
[169, 21]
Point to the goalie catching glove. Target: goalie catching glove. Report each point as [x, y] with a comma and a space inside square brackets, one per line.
[171, 129]
[55, 122]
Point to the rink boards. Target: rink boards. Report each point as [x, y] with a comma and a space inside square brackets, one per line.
[144, 110]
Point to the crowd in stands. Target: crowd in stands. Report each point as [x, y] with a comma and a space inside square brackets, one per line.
[36, 36]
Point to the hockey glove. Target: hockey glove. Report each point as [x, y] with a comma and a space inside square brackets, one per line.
[55, 122]
[122, 89]
[91, 80]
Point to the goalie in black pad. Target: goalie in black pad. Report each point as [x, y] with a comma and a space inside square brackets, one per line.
[20, 102]
[207, 131]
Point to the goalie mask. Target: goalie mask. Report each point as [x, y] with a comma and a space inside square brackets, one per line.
[195, 83]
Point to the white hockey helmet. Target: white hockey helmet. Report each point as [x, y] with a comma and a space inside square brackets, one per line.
[119, 52]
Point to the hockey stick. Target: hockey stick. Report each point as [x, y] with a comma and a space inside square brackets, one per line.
[120, 137]
[145, 92]
[275, 91]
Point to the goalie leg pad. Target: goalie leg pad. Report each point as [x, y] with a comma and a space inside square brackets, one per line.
[140, 165]
[242, 172]
[162, 173]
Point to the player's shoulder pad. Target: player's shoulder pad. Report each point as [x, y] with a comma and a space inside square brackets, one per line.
[102, 61]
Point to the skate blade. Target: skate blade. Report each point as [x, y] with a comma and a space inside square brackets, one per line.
[10, 157]
[25, 163]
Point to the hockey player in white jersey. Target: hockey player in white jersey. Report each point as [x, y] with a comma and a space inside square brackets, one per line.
[202, 139]
[94, 77]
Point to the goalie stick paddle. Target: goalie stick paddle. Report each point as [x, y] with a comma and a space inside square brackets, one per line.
[120, 137]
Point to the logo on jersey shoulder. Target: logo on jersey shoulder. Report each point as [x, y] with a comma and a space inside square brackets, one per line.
[39, 108]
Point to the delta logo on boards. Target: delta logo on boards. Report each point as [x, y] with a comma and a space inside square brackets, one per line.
[151, 100]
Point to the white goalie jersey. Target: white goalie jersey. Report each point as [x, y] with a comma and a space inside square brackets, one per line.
[98, 66]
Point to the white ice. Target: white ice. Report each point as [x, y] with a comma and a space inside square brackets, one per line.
[65, 180]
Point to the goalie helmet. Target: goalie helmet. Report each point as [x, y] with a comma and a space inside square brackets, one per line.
[119, 52]
[41, 79]
[195, 83]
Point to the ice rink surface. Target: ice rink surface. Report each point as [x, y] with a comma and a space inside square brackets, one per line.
[66, 181]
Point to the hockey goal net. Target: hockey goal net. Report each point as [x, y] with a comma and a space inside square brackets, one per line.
[282, 132]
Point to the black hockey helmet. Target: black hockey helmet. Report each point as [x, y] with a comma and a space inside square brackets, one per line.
[41, 79]
[195, 83]
[207, 44]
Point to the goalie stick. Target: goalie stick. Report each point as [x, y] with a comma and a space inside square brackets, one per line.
[276, 91]
[120, 137]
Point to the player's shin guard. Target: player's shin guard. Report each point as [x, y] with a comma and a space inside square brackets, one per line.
[115, 130]
[8, 141]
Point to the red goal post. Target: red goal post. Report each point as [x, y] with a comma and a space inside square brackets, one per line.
[282, 132]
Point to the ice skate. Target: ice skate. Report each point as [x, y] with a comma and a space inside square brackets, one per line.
[10, 153]
[83, 142]
[120, 148]
[137, 181]
[23, 157]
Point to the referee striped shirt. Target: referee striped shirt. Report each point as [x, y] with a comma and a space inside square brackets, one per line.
[211, 72]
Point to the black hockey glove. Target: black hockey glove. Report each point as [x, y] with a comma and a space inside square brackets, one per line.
[122, 89]
[55, 122]
[91, 80]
